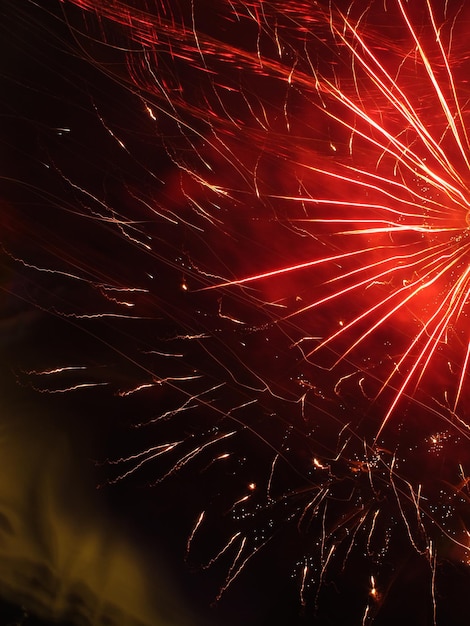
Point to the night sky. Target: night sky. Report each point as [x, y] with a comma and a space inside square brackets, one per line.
[150, 169]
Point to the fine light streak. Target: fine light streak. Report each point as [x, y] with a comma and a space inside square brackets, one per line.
[402, 105]
[71, 388]
[158, 381]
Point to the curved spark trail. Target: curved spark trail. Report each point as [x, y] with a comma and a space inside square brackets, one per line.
[279, 260]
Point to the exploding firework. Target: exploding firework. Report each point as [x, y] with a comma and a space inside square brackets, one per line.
[272, 249]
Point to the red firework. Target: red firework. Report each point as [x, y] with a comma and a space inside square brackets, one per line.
[298, 177]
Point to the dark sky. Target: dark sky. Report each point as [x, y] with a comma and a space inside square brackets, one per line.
[63, 540]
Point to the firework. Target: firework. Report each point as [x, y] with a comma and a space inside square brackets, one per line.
[274, 256]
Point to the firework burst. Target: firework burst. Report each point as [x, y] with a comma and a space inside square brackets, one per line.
[282, 252]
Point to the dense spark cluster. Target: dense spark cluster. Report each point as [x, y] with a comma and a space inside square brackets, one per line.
[277, 263]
